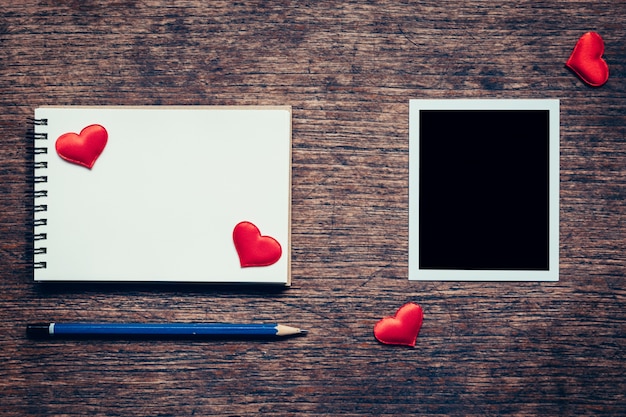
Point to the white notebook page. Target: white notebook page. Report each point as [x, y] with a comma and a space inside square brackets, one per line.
[161, 201]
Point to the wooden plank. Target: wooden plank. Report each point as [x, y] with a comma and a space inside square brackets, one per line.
[348, 69]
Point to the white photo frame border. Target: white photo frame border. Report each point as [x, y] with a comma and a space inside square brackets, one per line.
[552, 273]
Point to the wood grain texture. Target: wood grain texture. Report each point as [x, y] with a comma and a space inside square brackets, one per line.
[348, 69]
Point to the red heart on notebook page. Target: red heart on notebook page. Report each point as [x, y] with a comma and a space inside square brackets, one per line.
[402, 328]
[586, 60]
[83, 148]
[253, 248]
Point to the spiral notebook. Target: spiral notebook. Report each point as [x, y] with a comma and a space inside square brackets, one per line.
[162, 194]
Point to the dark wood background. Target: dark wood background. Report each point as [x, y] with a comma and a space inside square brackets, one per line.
[349, 70]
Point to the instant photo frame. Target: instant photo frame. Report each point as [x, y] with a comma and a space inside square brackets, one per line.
[484, 190]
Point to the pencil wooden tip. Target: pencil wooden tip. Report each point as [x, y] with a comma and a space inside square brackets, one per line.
[282, 330]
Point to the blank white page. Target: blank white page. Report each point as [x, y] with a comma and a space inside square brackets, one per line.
[161, 201]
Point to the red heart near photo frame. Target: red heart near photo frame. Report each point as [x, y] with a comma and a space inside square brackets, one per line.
[586, 60]
[402, 328]
[253, 248]
[83, 148]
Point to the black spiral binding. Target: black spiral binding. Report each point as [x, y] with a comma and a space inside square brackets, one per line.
[40, 195]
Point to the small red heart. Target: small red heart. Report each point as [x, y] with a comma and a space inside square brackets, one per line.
[254, 249]
[84, 148]
[402, 328]
[586, 60]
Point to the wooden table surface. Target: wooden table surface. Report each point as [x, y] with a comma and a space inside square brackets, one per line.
[349, 70]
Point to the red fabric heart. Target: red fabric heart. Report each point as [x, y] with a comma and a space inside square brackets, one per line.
[84, 148]
[586, 60]
[402, 328]
[254, 249]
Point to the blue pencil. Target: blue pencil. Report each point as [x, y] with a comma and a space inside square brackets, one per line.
[160, 329]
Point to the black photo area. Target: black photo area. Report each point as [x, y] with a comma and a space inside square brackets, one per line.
[483, 189]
